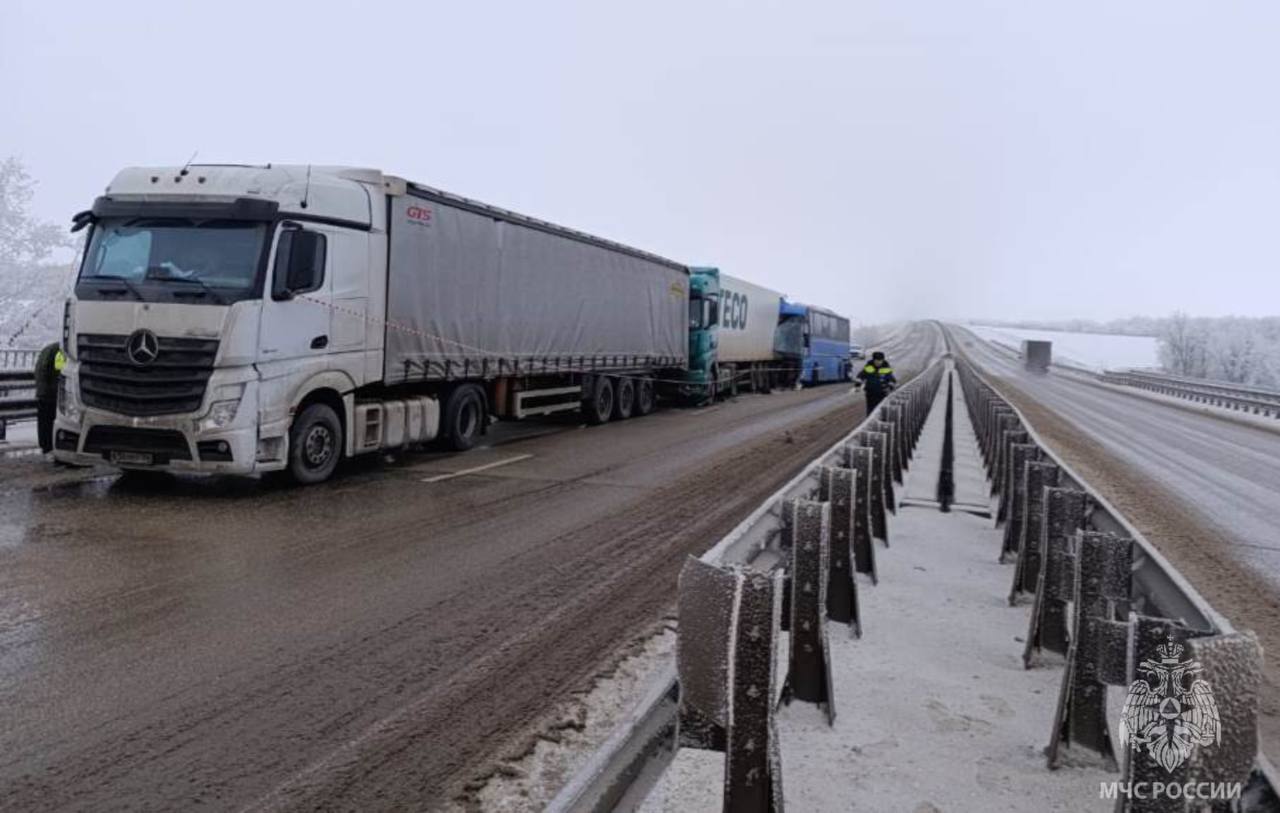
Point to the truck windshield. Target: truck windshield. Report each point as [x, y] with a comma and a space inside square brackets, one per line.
[702, 312]
[153, 258]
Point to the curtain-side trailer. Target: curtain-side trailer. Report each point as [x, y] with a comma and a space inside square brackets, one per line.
[244, 319]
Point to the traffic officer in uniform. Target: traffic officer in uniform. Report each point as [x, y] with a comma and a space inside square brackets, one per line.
[49, 364]
[877, 379]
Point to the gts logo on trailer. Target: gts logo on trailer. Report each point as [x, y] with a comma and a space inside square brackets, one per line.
[419, 215]
[734, 311]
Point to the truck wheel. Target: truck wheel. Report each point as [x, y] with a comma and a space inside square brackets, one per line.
[463, 418]
[597, 408]
[315, 444]
[624, 392]
[644, 397]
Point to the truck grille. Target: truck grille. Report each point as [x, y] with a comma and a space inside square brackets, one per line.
[173, 382]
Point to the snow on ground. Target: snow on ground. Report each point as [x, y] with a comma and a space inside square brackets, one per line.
[934, 709]
[1095, 351]
[574, 729]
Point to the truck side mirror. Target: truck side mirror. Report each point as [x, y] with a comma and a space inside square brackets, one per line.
[300, 257]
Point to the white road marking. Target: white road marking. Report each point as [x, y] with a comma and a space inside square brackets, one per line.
[475, 469]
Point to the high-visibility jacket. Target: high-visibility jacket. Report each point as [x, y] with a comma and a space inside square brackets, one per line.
[877, 378]
[49, 364]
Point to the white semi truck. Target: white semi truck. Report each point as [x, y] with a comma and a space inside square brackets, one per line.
[243, 319]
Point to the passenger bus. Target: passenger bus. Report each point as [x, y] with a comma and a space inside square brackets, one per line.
[816, 340]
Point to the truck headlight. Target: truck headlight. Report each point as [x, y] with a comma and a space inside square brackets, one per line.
[222, 413]
[67, 407]
[223, 410]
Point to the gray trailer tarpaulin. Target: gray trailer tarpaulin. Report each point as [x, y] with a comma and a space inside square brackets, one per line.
[474, 292]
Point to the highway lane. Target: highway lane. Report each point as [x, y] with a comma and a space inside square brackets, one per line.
[371, 643]
[1204, 489]
[1228, 472]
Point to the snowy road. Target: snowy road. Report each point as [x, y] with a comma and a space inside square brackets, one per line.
[376, 642]
[1204, 489]
[1229, 473]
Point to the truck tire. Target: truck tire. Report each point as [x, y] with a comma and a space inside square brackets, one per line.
[624, 398]
[315, 444]
[463, 419]
[644, 397]
[597, 407]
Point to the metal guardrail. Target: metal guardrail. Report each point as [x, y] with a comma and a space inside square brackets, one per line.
[1158, 589]
[622, 770]
[1242, 399]
[17, 400]
[17, 358]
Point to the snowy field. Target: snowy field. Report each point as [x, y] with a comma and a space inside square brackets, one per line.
[1096, 351]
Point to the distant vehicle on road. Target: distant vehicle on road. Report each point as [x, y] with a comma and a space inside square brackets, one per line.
[856, 351]
[1037, 355]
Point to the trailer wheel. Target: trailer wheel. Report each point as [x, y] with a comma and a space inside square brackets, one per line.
[624, 391]
[597, 408]
[315, 444]
[644, 397]
[463, 419]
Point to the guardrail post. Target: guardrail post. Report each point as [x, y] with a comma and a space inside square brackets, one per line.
[1000, 484]
[1013, 503]
[896, 414]
[728, 628]
[1039, 475]
[879, 521]
[1005, 421]
[1065, 512]
[861, 459]
[1157, 643]
[809, 671]
[839, 491]
[893, 462]
[1097, 655]
[786, 531]
[1232, 665]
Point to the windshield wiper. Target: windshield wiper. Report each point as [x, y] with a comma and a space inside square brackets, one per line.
[128, 286]
[162, 274]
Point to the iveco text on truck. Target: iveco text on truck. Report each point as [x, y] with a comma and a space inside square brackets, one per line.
[246, 319]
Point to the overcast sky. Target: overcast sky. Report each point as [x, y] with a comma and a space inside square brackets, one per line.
[885, 158]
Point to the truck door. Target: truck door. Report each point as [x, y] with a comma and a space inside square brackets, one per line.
[296, 314]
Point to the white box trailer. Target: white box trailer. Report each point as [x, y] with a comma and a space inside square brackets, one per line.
[748, 320]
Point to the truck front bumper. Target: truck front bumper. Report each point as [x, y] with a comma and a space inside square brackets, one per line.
[193, 442]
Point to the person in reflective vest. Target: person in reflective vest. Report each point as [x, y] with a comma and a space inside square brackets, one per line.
[876, 379]
[49, 364]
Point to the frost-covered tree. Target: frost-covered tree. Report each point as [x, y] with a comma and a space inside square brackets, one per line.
[30, 287]
[24, 241]
[1184, 346]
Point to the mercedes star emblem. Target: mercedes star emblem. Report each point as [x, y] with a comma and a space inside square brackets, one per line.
[142, 347]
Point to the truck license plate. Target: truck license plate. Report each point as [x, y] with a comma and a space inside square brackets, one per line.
[133, 458]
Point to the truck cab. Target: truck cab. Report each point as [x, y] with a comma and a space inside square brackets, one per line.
[700, 382]
[213, 307]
